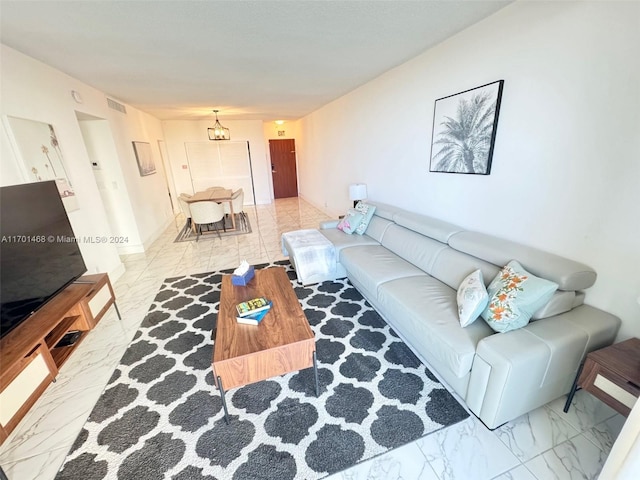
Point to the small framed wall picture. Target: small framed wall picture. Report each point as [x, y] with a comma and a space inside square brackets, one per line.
[146, 165]
[37, 145]
[464, 130]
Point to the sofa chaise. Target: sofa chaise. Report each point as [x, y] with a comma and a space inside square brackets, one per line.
[409, 267]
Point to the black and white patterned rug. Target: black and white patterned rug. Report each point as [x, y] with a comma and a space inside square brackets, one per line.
[160, 415]
[209, 231]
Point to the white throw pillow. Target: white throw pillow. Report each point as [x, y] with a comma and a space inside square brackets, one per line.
[366, 210]
[472, 298]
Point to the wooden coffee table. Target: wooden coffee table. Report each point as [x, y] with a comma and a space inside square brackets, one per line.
[283, 341]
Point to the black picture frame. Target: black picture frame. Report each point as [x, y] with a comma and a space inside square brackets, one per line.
[464, 130]
[146, 164]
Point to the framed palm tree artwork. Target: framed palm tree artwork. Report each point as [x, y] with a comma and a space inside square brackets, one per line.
[464, 130]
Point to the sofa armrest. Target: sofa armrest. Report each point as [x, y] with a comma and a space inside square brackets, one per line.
[326, 224]
[519, 371]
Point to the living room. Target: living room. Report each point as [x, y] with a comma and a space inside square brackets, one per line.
[564, 174]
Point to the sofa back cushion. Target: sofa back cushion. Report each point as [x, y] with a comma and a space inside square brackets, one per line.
[385, 211]
[413, 247]
[377, 227]
[423, 240]
[569, 275]
[452, 266]
[427, 226]
[562, 301]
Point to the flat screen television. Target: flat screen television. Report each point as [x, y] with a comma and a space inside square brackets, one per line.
[39, 254]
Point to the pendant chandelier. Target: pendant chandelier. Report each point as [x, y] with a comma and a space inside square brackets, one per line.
[218, 132]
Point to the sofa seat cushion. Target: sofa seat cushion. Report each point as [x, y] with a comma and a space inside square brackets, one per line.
[374, 265]
[424, 311]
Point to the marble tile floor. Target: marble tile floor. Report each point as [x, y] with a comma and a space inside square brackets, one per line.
[544, 444]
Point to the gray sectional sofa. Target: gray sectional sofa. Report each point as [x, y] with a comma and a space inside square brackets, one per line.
[409, 267]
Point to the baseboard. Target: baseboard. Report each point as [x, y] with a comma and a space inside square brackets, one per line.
[322, 208]
[142, 247]
[129, 249]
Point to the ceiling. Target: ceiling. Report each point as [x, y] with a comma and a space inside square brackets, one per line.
[267, 60]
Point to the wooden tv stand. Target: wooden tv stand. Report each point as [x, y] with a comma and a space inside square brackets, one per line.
[29, 357]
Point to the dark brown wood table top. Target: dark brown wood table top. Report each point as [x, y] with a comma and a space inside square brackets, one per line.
[282, 342]
[621, 358]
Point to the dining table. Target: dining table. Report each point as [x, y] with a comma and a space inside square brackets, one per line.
[218, 195]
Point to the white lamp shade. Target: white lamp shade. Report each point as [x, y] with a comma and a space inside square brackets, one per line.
[357, 191]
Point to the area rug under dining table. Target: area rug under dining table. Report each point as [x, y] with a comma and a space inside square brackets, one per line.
[243, 226]
[160, 416]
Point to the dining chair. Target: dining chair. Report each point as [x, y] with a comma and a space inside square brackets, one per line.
[184, 206]
[205, 213]
[237, 202]
[234, 201]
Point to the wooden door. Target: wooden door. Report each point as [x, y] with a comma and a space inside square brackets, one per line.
[283, 168]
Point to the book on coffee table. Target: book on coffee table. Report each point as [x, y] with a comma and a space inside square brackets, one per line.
[252, 306]
[253, 318]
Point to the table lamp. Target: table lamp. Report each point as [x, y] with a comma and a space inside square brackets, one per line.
[357, 192]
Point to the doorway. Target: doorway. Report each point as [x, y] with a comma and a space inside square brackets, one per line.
[169, 176]
[102, 153]
[283, 168]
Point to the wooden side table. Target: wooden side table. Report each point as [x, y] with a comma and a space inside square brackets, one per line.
[611, 374]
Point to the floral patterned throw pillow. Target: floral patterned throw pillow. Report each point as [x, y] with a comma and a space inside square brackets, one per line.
[514, 295]
[350, 221]
[367, 212]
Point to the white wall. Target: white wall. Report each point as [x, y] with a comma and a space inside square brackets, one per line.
[177, 132]
[98, 140]
[148, 196]
[623, 461]
[35, 91]
[566, 166]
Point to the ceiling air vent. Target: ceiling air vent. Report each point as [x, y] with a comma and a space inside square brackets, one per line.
[116, 106]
